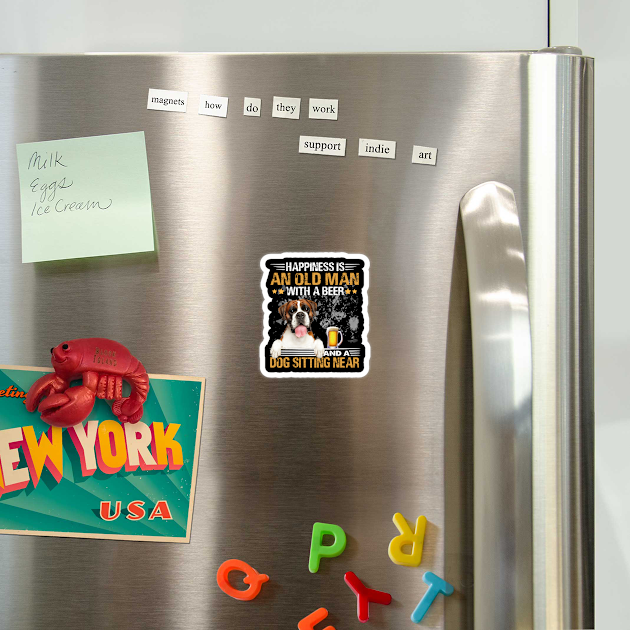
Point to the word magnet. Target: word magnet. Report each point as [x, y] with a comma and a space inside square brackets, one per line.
[285, 107]
[319, 550]
[251, 106]
[252, 577]
[377, 148]
[317, 145]
[167, 100]
[407, 537]
[213, 105]
[424, 155]
[323, 108]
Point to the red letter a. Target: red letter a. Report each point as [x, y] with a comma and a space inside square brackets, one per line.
[161, 510]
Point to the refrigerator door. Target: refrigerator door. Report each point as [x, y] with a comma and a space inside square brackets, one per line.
[278, 455]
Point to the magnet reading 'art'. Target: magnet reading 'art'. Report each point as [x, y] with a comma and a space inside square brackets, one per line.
[315, 317]
[102, 364]
[252, 577]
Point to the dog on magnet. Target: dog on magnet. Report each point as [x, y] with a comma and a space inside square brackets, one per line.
[298, 315]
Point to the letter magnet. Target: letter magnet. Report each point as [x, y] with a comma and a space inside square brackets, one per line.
[252, 577]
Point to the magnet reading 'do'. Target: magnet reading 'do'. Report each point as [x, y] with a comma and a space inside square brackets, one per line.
[315, 317]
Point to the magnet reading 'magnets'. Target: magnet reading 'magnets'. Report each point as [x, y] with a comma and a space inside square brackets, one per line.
[102, 364]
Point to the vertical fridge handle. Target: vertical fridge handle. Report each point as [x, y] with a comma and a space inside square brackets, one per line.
[502, 375]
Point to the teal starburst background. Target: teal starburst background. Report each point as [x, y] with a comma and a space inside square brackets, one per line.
[72, 505]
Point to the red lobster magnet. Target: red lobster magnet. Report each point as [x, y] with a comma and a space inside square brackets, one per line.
[102, 364]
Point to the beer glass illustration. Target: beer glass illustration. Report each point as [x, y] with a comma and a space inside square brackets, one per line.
[334, 336]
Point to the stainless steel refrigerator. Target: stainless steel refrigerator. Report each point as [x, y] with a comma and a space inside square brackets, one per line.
[477, 409]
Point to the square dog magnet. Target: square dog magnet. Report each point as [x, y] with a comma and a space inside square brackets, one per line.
[315, 317]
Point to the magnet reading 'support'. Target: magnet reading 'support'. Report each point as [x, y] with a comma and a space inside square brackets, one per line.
[102, 364]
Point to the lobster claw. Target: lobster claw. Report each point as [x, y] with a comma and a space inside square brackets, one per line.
[127, 410]
[68, 408]
[43, 386]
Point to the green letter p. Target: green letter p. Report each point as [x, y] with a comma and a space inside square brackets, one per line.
[319, 551]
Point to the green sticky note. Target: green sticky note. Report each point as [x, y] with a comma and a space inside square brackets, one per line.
[85, 197]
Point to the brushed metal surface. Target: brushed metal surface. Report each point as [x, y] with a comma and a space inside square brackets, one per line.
[276, 454]
[502, 372]
[560, 273]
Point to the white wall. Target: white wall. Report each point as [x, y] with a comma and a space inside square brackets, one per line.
[283, 25]
[603, 28]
